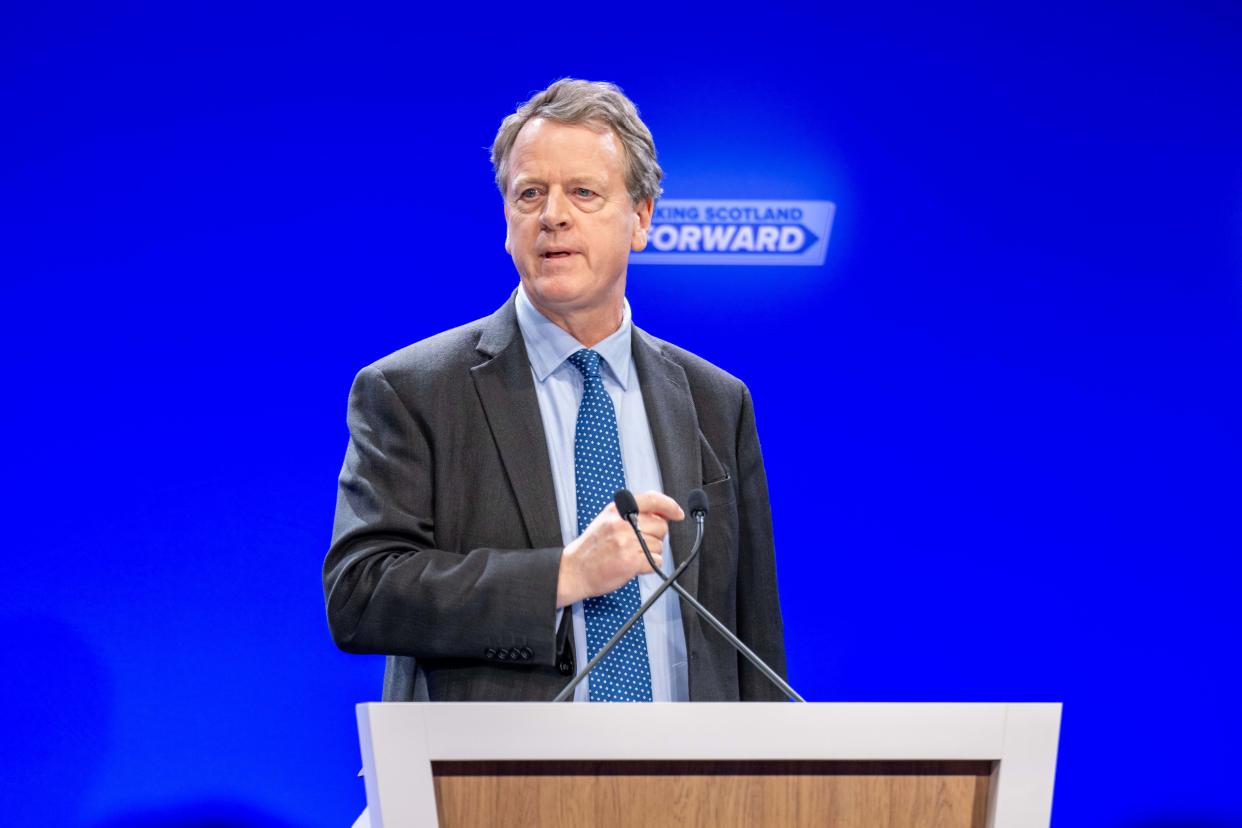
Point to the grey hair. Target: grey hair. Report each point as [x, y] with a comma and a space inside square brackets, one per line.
[593, 103]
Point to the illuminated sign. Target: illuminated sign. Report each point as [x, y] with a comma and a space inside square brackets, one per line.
[738, 232]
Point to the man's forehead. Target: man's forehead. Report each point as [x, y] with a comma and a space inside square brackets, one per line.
[545, 143]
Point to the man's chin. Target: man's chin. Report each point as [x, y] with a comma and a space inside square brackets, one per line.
[557, 286]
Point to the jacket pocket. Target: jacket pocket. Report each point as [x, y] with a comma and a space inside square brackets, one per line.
[720, 492]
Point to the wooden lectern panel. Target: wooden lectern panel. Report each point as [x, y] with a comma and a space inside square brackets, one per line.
[712, 793]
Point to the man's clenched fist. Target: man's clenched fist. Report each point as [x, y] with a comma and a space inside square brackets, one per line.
[606, 555]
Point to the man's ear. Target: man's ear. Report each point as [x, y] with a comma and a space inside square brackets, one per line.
[643, 209]
[508, 244]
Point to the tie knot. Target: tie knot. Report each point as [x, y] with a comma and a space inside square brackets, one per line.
[586, 361]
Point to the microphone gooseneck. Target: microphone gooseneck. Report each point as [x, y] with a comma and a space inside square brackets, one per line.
[697, 502]
[631, 516]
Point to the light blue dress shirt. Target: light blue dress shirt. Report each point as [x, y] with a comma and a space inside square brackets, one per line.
[558, 385]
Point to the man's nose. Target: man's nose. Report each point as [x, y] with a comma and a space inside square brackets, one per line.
[555, 215]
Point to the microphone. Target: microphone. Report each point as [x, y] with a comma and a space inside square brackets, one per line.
[627, 504]
[697, 503]
[628, 507]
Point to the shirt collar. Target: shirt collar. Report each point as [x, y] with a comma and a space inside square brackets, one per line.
[548, 345]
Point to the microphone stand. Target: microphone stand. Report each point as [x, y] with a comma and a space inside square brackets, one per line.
[771, 674]
[646, 605]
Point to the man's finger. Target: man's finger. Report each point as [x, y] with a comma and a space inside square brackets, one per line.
[656, 527]
[657, 503]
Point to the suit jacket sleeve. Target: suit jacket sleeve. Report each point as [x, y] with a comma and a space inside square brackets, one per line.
[387, 586]
[758, 607]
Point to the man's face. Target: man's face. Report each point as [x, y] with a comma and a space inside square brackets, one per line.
[571, 222]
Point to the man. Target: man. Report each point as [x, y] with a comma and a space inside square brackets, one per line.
[473, 543]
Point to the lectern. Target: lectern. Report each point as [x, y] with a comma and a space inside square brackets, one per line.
[648, 765]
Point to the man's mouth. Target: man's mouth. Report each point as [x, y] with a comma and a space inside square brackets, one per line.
[557, 254]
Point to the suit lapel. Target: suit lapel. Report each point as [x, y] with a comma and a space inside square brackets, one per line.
[675, 430]
[507, 393]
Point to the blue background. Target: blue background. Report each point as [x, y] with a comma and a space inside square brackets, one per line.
[1024, 349]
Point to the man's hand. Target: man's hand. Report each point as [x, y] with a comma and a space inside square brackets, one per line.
[606, 555]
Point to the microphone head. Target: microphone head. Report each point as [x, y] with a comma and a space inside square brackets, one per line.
[697, 501]
[626, 504]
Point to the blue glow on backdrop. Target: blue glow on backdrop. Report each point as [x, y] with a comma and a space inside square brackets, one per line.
[1024, 348]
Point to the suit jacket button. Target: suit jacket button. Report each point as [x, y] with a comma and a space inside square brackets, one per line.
[526, 653]
[566, 668]
[502, 654]
[490, 652]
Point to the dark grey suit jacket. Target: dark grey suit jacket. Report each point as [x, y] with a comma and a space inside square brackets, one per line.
[446, 544]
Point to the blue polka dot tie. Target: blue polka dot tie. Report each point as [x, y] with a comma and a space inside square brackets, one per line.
[625, 673]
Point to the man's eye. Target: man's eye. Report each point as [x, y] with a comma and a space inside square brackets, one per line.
[528, 193]
[583, 192]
